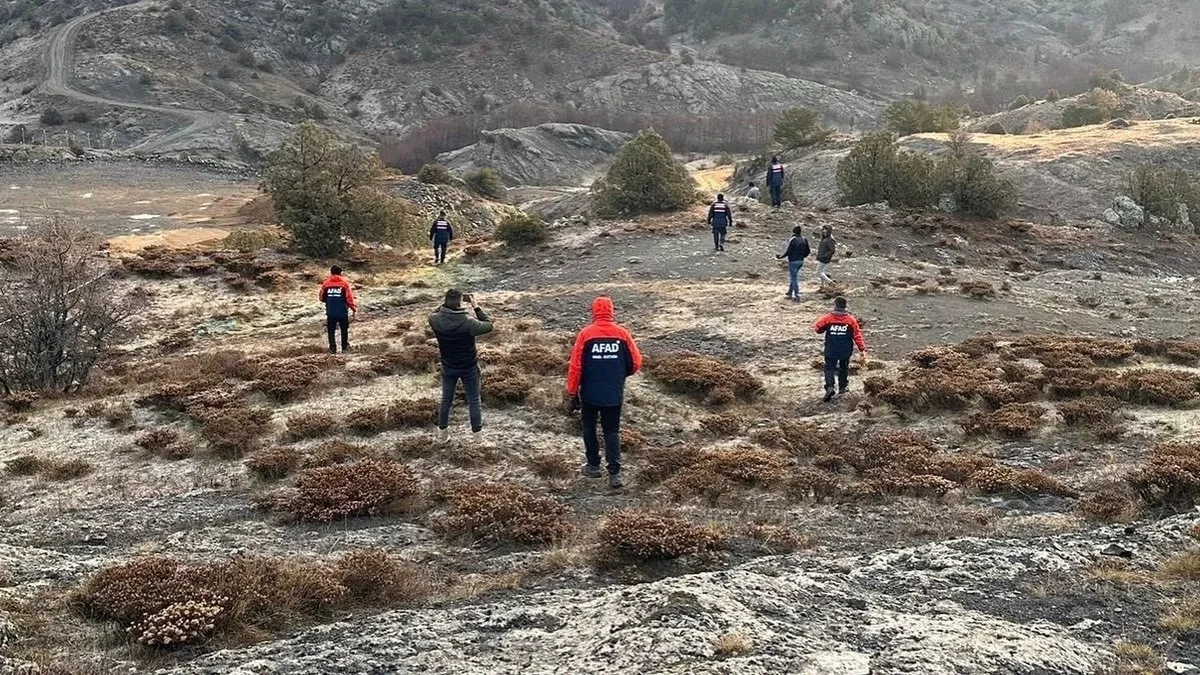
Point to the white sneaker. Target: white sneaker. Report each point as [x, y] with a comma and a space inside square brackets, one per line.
[443, 436]
[477, 437]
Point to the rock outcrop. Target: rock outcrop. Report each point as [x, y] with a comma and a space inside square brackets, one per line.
[949, 607]
[548, 154]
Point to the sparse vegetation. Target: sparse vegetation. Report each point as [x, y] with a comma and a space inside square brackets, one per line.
[656, 535]
[710, 379]
[364, 488]
[1167, 194]
[908, 117]
[487, 183]
[798, 128]
[500, 512]
[521, 229]
[435, 174]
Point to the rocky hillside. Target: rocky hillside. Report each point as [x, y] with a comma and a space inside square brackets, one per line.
[548, 154]
[1063, 175]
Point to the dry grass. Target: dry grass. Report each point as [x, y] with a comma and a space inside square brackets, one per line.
[553, 466]
[777, 538]
[1181, 567]
[1111, 504]
[1182, 617]
[364, 488]
[400, 414]
[1134, 658]
[1169, 478]
[499, 512]
[311, 425]
[714, 472]
[164, 602]
[655, 535]
[1012, 420]
[273, 464]
[50, 468]
[1026, 482]
[706, 378]
[732, 644]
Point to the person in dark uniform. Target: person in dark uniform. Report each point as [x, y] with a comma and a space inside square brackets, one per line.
[720, 217]
[441, 234]
[842, 335]
[338, 298]
[775, 179]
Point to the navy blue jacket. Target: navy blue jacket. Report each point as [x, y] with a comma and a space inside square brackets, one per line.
[775, 174]
[720, 215]
[441, 232]
[797, 249]
[604, 355]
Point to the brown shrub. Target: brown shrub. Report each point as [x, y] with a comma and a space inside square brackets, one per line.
[655, 535]
[633, 440]
[1159, 387]
[905, 484]
[273, 464]
[311, 425]
[180, 623]
[1113, 504]
[810, 484]
[289, 379]
[537, 360]
[714, 472]
[999, 394]
[1015, 420]
[552, 465]
[68, 469]
[1169, 479]
[400, 414]
[704, 377]
[1057, 360]
[232, 432]
[130, 591]
[1075, 382]
[778, 538]
[662, 463]
[20, 401]
[999, 479]
[1102, 350]
[415, 358]
[375, 577]
[1091, 411]
[364, 488]
[333, 452]
[979, 290]
[503, 512]
[506, 385]
[157, 441]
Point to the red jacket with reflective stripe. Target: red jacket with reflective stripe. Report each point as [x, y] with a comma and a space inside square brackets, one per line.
[842, 334]
[337, 296]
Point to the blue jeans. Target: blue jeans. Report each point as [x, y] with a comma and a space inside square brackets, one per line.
[470, 380]
[794, 275]
[776, 195]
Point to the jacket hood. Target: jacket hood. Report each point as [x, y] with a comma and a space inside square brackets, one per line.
[602, 309]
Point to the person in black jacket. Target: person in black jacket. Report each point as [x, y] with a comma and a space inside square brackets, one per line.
[797, 250]
[720, 216]
[456, 330]
[441, 234]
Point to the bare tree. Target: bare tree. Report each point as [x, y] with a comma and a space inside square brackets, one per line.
[59, 308]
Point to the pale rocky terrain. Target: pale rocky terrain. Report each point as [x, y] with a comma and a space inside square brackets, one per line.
[548, 154]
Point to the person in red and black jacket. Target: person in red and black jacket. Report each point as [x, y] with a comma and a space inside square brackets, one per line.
[338, 298]
[842, 335]
[604, 355]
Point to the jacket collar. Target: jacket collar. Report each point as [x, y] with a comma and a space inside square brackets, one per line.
[451, 310]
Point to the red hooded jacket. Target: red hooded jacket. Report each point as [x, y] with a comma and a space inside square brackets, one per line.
[604, 355]
[842, 334]
[337, 296]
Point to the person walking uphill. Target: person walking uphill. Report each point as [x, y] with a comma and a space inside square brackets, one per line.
[456, 329]
[604, 356]
[441, 234]
[797, 250]
[720, 217]
[775, 181]
[338, 299]
[842, 335]
[825, 252]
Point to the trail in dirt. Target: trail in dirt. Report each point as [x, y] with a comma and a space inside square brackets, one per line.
[61, 70]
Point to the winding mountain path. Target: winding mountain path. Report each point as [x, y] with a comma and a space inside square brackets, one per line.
[60, 65]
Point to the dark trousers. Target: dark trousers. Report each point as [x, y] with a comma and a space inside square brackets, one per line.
[718, 237]
[610, 420]
[839, 365]
[332, 324]
[776, 195]
[470, 380]
[439, 251]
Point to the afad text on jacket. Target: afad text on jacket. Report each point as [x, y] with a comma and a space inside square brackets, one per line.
[842, 334]
[604, 355]
[337, 296]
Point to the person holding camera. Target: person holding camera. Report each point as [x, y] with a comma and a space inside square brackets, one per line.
[456, 329]
[604, 356]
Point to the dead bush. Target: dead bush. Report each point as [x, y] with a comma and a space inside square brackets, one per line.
[1014, 420]
[1169, 479]
[925, 486]
[980, 290]
[311, 425]
[778, 538]
[999, 394]
[725, 425]
[536, 359]
[713, 472]
[20, 401]
[655, 535]
[662, 463]
[552, 466]
[1111, 504]
[704, 377]
[289, 379]
[157, 441]
[810, 484]
[400, 414]
[1100, 350]
[375, 577]
[1159, 387]
[273, 464]
[500, 512]
[999, 479]
[505, 385]
[415, 358]
[1091, 411]
[364, 488]
[333, 452]
[232, 432]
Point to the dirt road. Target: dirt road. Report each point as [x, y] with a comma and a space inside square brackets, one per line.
[61, 72]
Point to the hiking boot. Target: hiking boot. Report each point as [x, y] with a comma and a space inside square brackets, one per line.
[722, 248]
[590, 471]
[829, 394]
[443, 436]
[843, 391]
[614, 481]
[477, 436]
[333, 350]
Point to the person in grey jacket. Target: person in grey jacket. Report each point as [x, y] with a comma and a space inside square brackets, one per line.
[456, 329]
[825, 252]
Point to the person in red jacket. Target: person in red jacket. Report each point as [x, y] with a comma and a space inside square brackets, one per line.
[842, 335]
[338, 298]
[604, 356]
